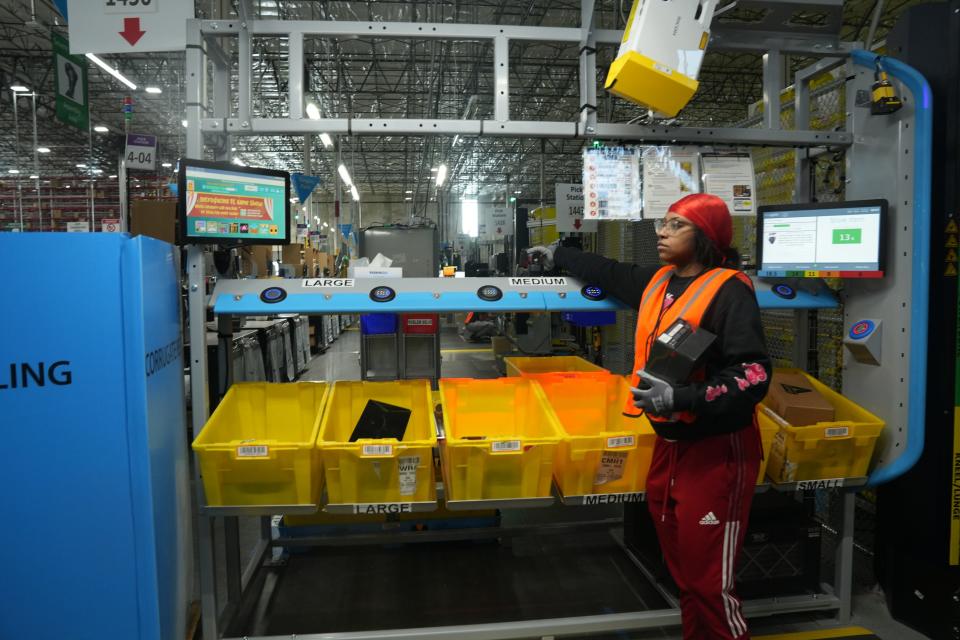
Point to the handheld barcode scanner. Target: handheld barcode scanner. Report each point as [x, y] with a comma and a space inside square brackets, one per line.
[677, 353]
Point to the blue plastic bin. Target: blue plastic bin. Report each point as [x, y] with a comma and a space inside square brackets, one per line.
[372, 324]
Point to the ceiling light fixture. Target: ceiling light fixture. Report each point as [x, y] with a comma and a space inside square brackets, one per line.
[101, 129]
[408, 198]
[434, 169]
[312, 111]
[43, 149]
[456, 139]
[184, 123]
[354, 193]
[326, 140]
[441, 175]
[18, 88]
[408, 191]
[97, 170]
[34, 177]
[112, 176]
[153, 90]
[114, 72]
[13, 171]
[239, 162]
[166, 165]
[81, 166]
[344, 174]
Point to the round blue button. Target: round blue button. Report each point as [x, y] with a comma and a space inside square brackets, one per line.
[785, 291]
[272, 294]
[862, 329]
[489, 293]
[593, 292]
[382, 294]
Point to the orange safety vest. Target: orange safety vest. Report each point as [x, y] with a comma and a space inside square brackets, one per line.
[652, 319]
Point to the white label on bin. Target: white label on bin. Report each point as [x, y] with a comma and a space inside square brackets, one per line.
[505, 445]
[612, 498]
[836, 432]
[383, 507]
[620, 441]
[611, 467]
[378, 449]
[253, 451]
[832, 483]
[407, 469]
[329, 283]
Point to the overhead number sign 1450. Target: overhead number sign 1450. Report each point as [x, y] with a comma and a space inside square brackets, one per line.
[130, 6]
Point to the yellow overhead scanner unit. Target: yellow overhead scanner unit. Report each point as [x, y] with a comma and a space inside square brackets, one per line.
[661, 53]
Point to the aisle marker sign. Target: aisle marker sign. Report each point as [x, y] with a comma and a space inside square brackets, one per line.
[141, 152]
[70, 82]
[569, 199]
[128, 26]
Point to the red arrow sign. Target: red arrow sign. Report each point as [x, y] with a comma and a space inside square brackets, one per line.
[131, 30]
[577, 224]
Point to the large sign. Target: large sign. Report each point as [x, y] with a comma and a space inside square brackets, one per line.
[611, 183]
[128, 26]
[70, 83]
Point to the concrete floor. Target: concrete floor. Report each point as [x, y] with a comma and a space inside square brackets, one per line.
[535, 576]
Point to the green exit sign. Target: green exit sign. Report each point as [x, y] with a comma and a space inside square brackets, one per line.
[847, 236]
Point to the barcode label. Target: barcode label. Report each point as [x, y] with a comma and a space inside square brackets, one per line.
[505, 445]
[253, 451]
[620, 441]
[836, 432]
[378, 449]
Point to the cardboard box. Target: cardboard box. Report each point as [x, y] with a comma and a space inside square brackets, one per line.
[155, 219]
[293, 254]
[255, 260]
[795, 400]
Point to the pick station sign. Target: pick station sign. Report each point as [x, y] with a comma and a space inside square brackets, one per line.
[128, 26]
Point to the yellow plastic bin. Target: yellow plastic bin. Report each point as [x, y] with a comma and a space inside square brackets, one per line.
[768, 431]
[842, 448]
[257, 448]
[501, 439]
[603, 451]
[524, 366]
[373, 471]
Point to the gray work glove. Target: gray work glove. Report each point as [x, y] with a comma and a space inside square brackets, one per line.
[545, 254]
[657, 399]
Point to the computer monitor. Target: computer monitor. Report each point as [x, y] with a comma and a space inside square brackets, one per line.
[831, 240]
[222, 203]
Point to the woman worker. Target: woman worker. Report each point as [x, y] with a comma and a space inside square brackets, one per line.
[707, 453]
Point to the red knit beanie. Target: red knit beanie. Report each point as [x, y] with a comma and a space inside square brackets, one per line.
[710, 214]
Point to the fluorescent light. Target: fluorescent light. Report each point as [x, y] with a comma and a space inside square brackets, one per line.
[100, 129]
[312, 111]
[456, 139]
[18, 88]
[43, 149]
[325, 225]
[239, 162]
[517, 191]
[353, 192]
[233, 149]
[97, 170]
[325, 139]
[166, 165]
[434, 169]
[34, 177]
[81, 166]
[153, 90]
[441, 175]
[184, 123]
[293, 201]
[68, 186]
[408, 198]
[112, 176]
[408, 191]
[13, 171]
[116, 74]
[344, 174]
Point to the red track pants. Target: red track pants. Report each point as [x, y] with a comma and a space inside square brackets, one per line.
[699, 493]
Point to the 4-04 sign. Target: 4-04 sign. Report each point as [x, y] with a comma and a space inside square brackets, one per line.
[141, 152]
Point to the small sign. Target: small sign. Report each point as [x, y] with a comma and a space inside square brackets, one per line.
[619, 442]
[833, 483]
[378, 450]
[78, 227]
[110, 225]
[505, 445]
[538, 282]
[128, 26]
[141, 152]
[253, 451]
[303, 185]
[611, 184]
[569, 205]
[329, 283]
